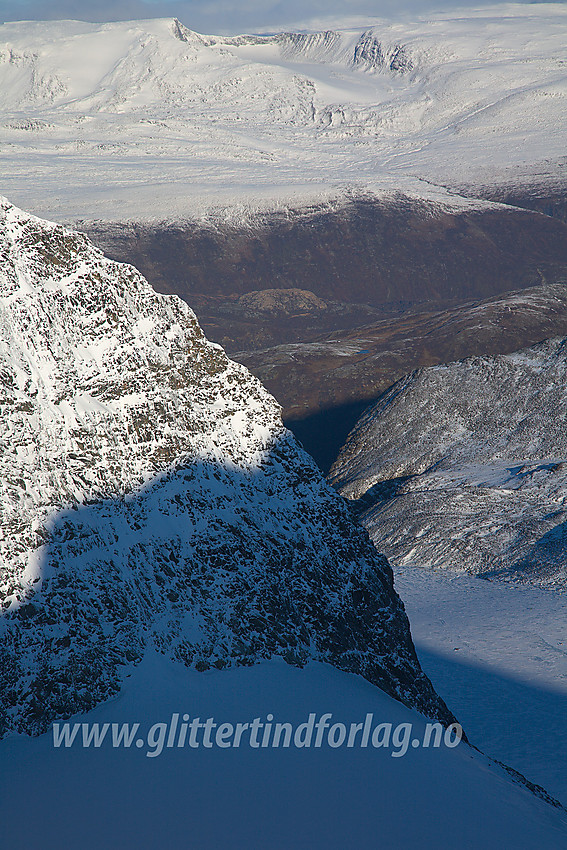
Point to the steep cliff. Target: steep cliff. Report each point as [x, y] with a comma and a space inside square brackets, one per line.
[152, 497]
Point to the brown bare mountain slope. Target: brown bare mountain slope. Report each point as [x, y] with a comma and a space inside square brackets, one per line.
[329, 304]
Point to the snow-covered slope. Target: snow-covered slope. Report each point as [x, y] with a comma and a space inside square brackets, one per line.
[464, 466]
[151, 497]
[279, 798]
[496, 652]
[166, 122]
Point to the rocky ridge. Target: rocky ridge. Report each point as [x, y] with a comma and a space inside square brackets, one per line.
[152, 498]
[463, 466]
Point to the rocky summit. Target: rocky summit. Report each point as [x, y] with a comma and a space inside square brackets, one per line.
[151, 498]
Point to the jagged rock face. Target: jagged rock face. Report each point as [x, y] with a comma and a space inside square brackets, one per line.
[151, 496]
[463, 466]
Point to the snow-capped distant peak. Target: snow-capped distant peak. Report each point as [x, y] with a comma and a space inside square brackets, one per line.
[176, 121]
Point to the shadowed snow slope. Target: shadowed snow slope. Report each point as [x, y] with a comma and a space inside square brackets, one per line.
[496, 652]
[152, 497]
[279, 798]
[463, 466]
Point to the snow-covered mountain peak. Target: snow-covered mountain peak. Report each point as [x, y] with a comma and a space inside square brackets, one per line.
[186, 35]
[81, 339]
[151, 497]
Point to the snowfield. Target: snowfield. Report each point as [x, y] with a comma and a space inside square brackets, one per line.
[277, 798]
[148, 120]
[497, 653]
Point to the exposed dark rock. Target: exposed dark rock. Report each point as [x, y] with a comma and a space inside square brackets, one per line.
[152, 498]
[363, 251]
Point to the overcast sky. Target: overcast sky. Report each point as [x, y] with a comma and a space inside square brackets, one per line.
[224, 16]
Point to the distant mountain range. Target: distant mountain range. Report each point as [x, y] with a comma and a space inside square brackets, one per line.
[337, 207]
[149, 121]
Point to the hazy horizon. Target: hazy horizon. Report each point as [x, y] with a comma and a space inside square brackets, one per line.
[226, 17]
